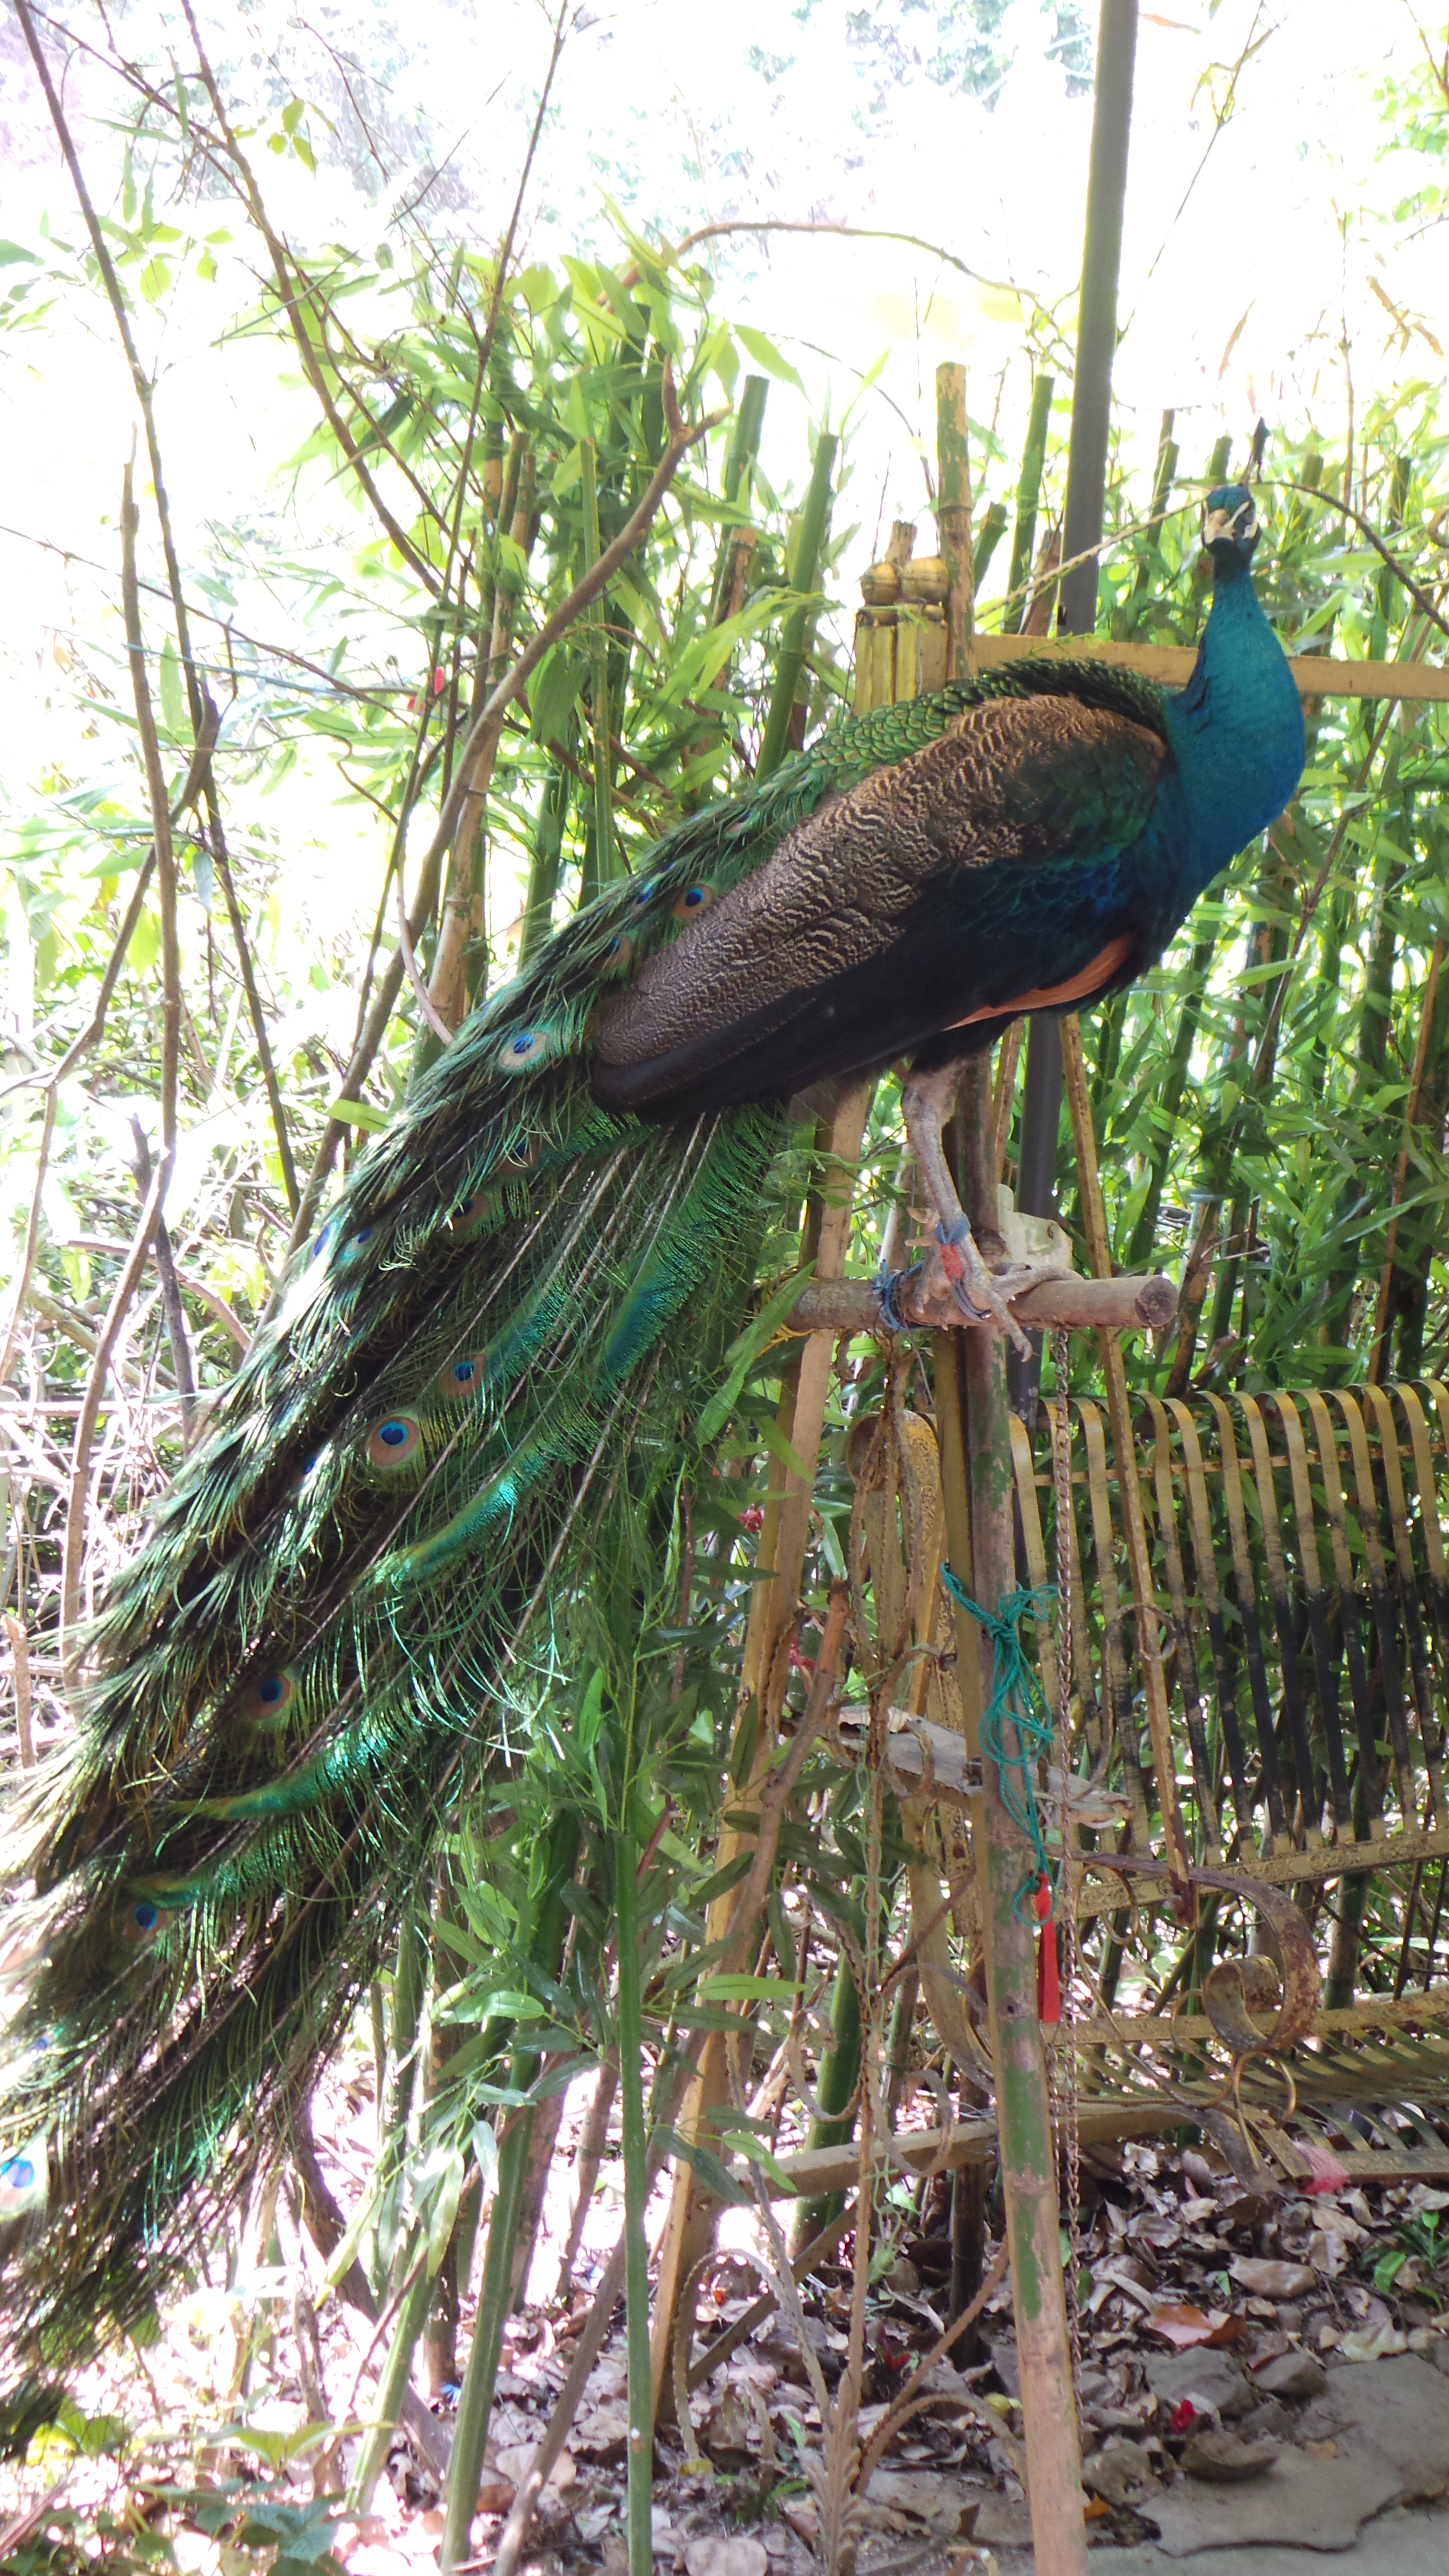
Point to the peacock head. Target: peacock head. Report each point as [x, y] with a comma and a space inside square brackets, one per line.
[1229, 529]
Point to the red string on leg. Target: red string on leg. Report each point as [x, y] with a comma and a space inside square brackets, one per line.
[1048, 1972]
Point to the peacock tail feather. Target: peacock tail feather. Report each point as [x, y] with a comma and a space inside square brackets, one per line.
[342, 1607]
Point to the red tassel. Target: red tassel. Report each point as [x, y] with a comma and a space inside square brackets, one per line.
[1048, 1974]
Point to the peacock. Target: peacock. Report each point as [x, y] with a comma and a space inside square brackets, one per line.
[329, 1623]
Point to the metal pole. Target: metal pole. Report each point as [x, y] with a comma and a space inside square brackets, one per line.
[1086, 495]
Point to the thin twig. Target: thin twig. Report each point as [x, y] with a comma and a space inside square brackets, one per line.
[20, 1651]
[1330, 500]
[204, 719]
[671, 255]
[436, 1023]
[126, 1285]
[32, 1230]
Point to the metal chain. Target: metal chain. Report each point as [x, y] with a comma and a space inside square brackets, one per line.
[1062, 1490]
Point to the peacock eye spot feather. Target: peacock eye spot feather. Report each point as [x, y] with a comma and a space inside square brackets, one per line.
[17, 2175]
[618, 955]
[394, 1442]
[695, 899]
[141, 1920]
[526, 1048]
[461, 1378]
[472, 1213]
[268, 1696]
[646, 894]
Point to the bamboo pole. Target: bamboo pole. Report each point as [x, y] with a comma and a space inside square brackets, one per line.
[973, 1425]
[1134, 1527]
[953, 509]
[814, 520]
[1028, 497]
[1401, 1168]
[1081, 534]
[765, 1669]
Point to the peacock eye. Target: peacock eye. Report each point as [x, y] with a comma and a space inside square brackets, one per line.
[524, 1043]
[17, 2174]
[268, 1696]
[141, 1921]
[394, 1441]
[695, 899]
[645, 895]
[461, 1377]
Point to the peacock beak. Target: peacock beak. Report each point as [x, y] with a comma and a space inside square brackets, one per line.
[1230, 527]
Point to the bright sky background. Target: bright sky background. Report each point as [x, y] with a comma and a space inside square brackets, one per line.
[1243, 298]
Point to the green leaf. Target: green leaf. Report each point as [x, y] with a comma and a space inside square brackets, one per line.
[173, 700]
[746, 1349]
[715, 2175]
[779, 1447]
[11, 251]
[757, 2153]
[359, 1113]
[1389, 2266]
[766, 355]
[554, 693]
[745, 1990]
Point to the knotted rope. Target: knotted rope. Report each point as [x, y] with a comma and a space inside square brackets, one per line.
[1016, 1699]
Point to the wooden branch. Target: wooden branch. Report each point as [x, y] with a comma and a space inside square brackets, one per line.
[1109, 1305]
[1316, 675]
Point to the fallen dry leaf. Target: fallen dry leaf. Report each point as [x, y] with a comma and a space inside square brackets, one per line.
[725, 2554]
[1186, 2327]
[1268, 2280]
[512, 2463]
[1373, 2343]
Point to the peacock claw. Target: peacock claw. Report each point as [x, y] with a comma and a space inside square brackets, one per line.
[927, 1101]
[982, 1296]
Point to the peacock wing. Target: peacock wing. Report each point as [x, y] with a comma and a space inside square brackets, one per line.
[983, 866]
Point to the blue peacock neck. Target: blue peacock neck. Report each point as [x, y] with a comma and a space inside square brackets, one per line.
[1236, 729]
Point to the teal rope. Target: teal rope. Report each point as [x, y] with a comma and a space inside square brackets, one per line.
[1017, 1699]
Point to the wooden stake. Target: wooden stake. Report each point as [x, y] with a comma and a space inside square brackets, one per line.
[974, 1430]
[1134, 1527]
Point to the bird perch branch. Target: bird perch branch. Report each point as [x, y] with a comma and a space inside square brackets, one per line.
[1108, 1305]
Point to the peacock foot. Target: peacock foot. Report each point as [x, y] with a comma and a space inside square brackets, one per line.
[983, 1296]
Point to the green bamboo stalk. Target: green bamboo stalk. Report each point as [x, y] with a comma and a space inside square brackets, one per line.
[837, 2082]
[993, 529]
[475, 2404]
[411, 2316]
[636, 2193]
[1169, 1099]
[1028, 496]
[546, 857]
[603, 868]
[495, 2294]
[789, 669]
[739, 472]
[409, 1978]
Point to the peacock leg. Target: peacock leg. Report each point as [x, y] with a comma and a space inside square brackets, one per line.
[927, 1101]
